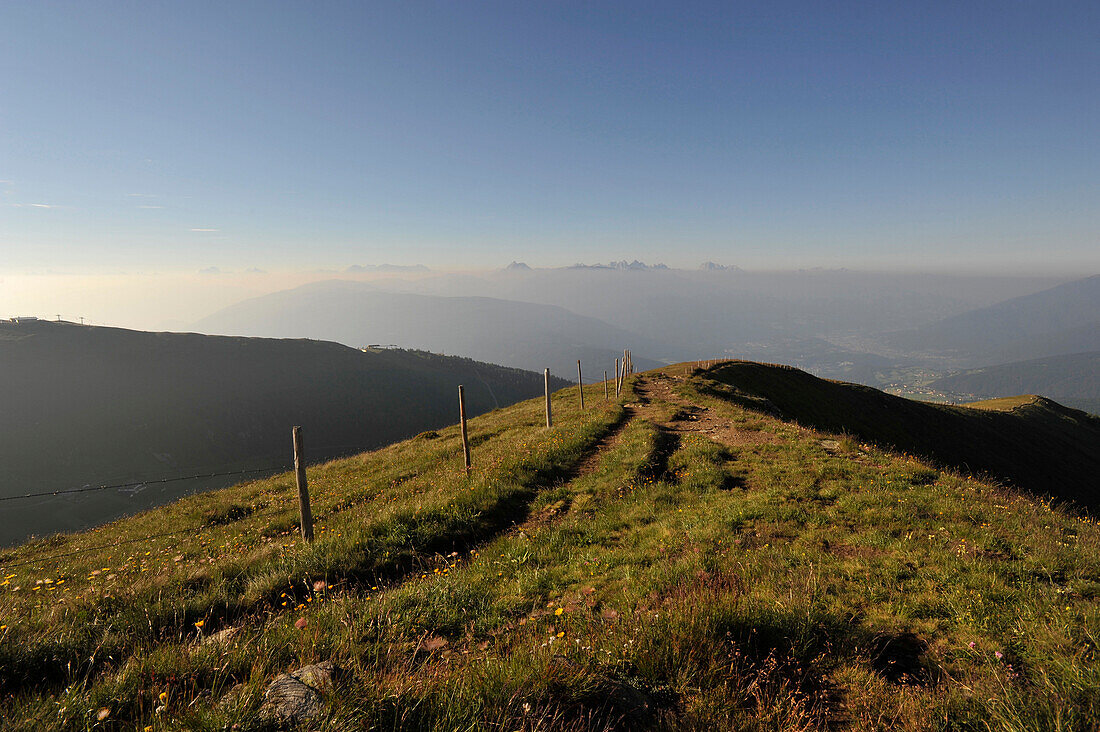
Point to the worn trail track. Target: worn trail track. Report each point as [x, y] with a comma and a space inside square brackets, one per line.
[654, 391]
[697, 419]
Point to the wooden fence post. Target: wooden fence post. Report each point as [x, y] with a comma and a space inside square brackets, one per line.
[616, 378]
[549, 421]
[605, 385]
[465, 435]
[580, 383]
[303, 487]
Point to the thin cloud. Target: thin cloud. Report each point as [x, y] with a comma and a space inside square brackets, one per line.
[205, 229]
[210, 271]
[142, 195]
[150, 206]
[34, 205]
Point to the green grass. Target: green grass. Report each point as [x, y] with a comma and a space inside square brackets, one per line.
[786, 579]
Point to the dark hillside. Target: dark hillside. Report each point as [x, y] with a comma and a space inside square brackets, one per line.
[87, 405]
[1040, 446]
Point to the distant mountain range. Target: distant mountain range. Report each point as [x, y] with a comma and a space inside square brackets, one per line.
[85, 405]
[1059, 320]
[719, 310]
[518, 334]
[623, 264]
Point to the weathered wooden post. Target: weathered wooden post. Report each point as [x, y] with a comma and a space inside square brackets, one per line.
[580, 383]
[605, 385]
[303, 487]
[549, 421]
[618, 380]
[465, 435]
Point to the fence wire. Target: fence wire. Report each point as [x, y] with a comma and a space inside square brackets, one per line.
[135, 484]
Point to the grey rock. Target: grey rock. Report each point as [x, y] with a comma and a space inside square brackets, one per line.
[299, 695]
[221, 638]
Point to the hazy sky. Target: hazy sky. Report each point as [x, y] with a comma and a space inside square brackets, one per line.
[172, 137]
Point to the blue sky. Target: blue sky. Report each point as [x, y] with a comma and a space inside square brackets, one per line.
[138, 137]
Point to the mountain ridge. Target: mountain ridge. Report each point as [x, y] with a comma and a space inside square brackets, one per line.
[678, 558]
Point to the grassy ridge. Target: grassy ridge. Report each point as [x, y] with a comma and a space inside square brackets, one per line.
[1040, 446]
[1003, 404]
[755, 576]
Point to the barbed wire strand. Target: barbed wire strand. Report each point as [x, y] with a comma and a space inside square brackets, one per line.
[135, 484]
[351, 450]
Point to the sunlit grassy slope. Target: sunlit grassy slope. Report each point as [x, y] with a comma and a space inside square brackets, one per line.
[1003, 404]
[678, 559]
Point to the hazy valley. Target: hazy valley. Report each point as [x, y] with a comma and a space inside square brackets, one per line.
[901, 332]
